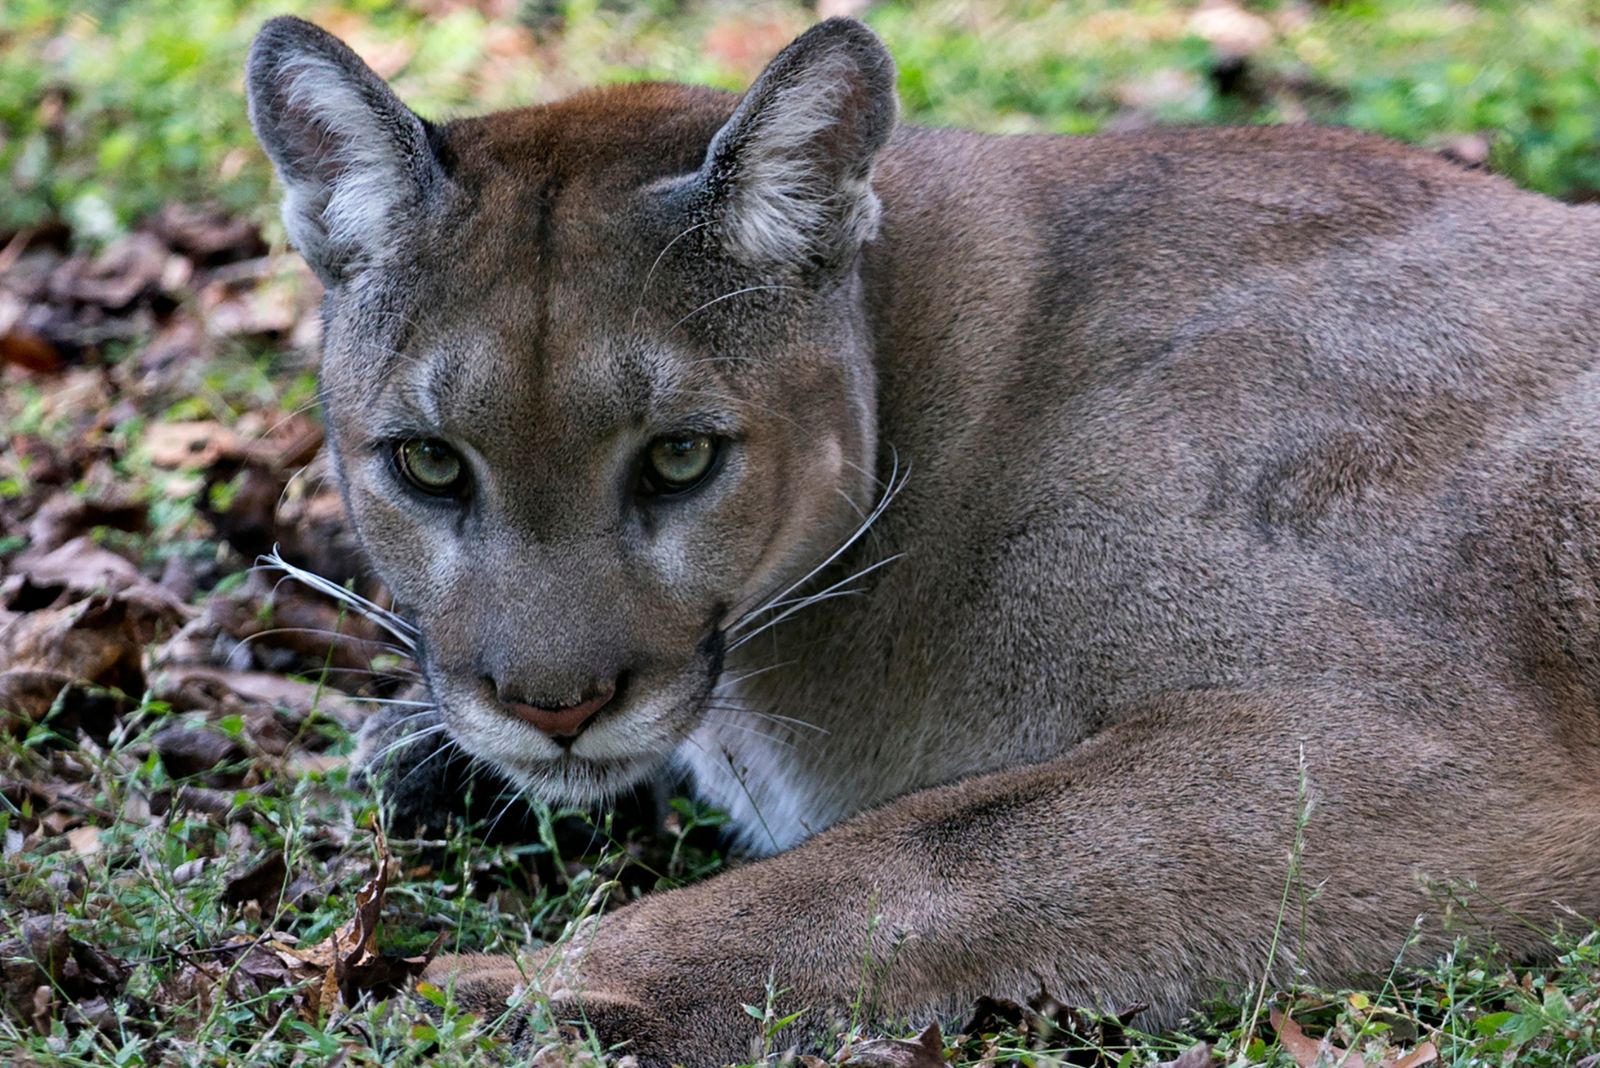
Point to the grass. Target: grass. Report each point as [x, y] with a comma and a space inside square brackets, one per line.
[147, 881]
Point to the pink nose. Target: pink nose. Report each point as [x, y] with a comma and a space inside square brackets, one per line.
[562, 722]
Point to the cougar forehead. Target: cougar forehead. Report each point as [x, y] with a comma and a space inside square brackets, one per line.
[557, 269]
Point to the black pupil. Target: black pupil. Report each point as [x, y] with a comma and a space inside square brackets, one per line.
[433, 462]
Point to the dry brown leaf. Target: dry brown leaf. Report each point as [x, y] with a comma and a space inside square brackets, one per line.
[206, 233]
[83, 569]
[348, 963]
[191, 446]
[30, 350]
[84, 840]
[45, 957]
[66, 515]
[1198, 1055]
[1306, 1051]
[924, 1051]
[98, 641]
[1311, 1053]
[1423, 1054]
[262, 881]
[192, 687]
[187, 749]
[126, 270]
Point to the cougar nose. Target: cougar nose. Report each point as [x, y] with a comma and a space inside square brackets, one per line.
[560, 723]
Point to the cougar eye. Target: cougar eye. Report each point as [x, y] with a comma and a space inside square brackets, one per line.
[431, 466]
[676, 464]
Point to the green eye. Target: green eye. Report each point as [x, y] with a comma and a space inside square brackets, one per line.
[431, 466]
[675, 464]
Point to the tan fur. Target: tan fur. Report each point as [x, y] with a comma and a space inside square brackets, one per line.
[1241, 463]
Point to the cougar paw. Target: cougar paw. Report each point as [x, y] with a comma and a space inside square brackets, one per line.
[566, 1028]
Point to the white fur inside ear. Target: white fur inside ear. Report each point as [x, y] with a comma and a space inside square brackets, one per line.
[343, 197]
[787, 201]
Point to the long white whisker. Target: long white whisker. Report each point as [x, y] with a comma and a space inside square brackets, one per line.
[751, 729]
[275, 560]
[324, 632]
[854, 507]
[449, 746]
[393, 673]
[644, 289]
[893, 488]
[719, 300]
[823, 595]
[407, 739]
[787, 721]
[396, 701]
[750, 675]
[402, 631]
[512, 796]
[810, 598]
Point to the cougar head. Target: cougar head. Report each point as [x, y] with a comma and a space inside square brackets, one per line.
[596, 374]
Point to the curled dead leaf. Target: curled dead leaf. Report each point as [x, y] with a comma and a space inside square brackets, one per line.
[1306, 1051]
[80, 568]
[44, 956]
[188, 750]
[262, 881]
[192, 446]
[924, 1051]
[65, 515]
[1198, 1055]
[30, 350]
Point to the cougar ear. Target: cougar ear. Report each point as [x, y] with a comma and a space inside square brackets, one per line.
[352, 158]
[789, 176]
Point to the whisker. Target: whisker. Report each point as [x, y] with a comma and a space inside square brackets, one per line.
[751, 674]
[651, 273]
[751, 729]
[725, 296]
[790, 721]
[449, 746]
[402, 742]
[854, 507]
[401, 630]
[810, 598]
[889, 494]
[516, 792]
[772, 717]
[822, 596]
[394, 673]
[396, 701]
[323, 632]
[306, 407]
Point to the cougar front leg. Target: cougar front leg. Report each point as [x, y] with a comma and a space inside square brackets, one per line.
[1150, 865]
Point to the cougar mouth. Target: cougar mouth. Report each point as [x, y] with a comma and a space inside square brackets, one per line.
[641, 728]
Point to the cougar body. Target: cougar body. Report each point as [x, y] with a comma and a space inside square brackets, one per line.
[1220, 482]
